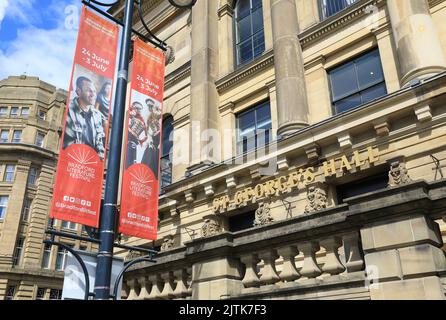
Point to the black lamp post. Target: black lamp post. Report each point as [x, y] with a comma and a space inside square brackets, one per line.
[107, 228]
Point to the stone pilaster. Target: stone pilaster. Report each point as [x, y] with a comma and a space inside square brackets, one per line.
[12, 220]
[292, 102]
[204, 113]
[404, 259]
[416, 39]
[225, 39]
[39, 217]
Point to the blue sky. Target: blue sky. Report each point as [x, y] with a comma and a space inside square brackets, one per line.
[38, 37]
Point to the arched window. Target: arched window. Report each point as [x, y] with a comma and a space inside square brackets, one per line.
[166, 151]
[249, 36]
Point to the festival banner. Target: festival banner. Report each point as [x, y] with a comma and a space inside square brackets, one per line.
[80, 169]
[139, 194]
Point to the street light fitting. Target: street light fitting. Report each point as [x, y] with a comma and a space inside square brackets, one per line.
[183, 3]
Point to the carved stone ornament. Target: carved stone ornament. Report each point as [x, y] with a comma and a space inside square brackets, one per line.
[132, 255]
[398, 174]
[263, 215]
[316, 198]
[168, 243]
[211, 227]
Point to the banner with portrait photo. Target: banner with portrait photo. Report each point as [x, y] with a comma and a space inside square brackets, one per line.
[139, 194]
[80, 168]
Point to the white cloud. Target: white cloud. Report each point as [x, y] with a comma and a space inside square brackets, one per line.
[45, 53]
[3, 6]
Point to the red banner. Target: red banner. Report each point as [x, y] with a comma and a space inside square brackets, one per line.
[80, 169]
[139, 195]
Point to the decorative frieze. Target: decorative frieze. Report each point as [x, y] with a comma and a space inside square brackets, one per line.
[263, 215]
[168, 243]
[398, 174]
[211, 227]
[316, 197]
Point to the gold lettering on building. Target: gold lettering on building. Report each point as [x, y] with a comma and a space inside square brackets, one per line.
[295, 180]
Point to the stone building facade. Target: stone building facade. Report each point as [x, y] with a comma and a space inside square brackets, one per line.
[31, 113]
[342, 194]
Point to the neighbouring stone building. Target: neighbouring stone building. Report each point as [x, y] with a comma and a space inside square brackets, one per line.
[31, 113]
[329, 183]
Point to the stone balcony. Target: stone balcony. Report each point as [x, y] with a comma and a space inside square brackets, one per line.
[381, 245]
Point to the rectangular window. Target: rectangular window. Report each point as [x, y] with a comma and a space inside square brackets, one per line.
[17, 136]
[25, 112]
[250, 38]
[17, 259]
[55, 294]
[357, 82]
[331, 7]
[10, 293]
[3, 206]
[241, 222]
[68, 225]
[9, 173]
[4, 136]
[254, 128]
[61, 258]
[46, 259]
[32, 176]
[40, 293]
[41, 114]
[39, 139]
[3, 112]
[14, 112]
[26, 209]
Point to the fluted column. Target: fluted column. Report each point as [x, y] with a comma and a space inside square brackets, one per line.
[416, 39]
[204, 71]
[292, 102]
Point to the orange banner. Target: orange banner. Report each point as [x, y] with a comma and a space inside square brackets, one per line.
[139, 196]
[80, 169]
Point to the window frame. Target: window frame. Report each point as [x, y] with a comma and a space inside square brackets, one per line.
[354, 60]
[10, 174]
[235, 35]
[24, 115]
[14, 140]
[323, 14]
[26, 209]
[8, 296]
[2, 140]
[14, 115]
[4, 114]
[33, 172]
[18, 252]
[244, 112]
[46, 256]
[39, 134]
[166, 155]
[3, 206]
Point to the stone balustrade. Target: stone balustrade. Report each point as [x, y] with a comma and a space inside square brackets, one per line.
[300, 261]
[370, 247]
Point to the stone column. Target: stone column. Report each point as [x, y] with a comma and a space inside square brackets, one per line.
[416, 40]
[292, 102]
[404, 259]
[12, 220]
[204, 113]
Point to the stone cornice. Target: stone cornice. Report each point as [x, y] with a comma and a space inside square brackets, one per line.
[178, 74]
[334, 23]
[252, 68]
